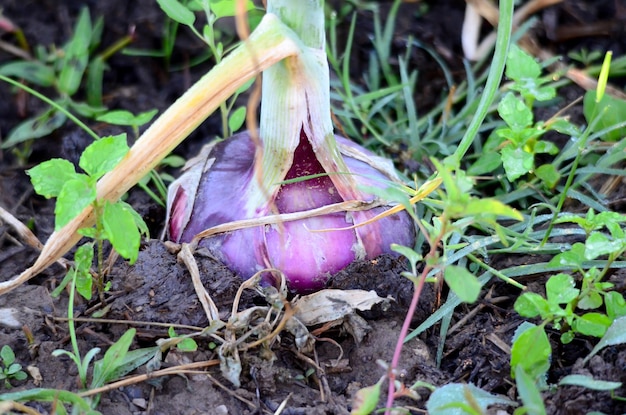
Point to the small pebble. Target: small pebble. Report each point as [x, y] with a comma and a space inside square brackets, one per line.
[140, 403]
[220, 410]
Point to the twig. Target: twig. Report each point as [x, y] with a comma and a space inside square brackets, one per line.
[347, 206]
[210, 309]
[157, 373]
[231, 392]
[6, 407]
[129, 322]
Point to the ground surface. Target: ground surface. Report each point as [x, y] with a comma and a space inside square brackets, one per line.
[158, 289]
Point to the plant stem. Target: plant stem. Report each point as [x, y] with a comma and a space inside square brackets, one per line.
[496, 70]
[296, 100]
[429, 260]
[97, 208]
[72, 328]
[53, 104]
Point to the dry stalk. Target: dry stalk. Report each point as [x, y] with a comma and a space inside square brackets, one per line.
[207, 302]
[478, 9]
[174, 370]
[346, 206]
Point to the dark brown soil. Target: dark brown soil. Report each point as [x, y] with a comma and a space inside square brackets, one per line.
[158, 289]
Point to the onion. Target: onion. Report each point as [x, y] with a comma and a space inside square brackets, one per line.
[229, 181]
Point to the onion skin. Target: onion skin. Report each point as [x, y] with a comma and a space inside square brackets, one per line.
[211, 193]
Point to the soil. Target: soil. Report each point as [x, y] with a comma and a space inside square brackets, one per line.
[158, 288]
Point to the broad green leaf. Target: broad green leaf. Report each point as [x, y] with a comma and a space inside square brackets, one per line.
[616, 231]
[76, 55]
[589, 383]
[84, 286]
[123, 117]
[531, 350]
[113, 358]
[548, 174]
[88, 232]
[83, 258]
[226, 8]
[139, 222]
[171, 332]
[35, 127]
[49, 177]
[567, 337]
[236, 119]
[75, 196]
[491, 207]
[84, 109]
[516, 162]
[19, 374]
[563, 126]
[486, 163]
[615, 305]
[439, 402]
[187, 345]
[173, 161]
[117, 117]
[606, 219]
[582, 222]
[520, 65]
[599, 244]
[592, 324]
[407, 252]
[605, 114]
[176, 11]
[464, 284]
[515, 112]
[32, 71]
[615, 334]
[591, 301]
[561, 289]
[529, 392]
[121, 230]
[573, 258]
[101, 156]
[545, 147]
[7, 355]
[531, 305]
[534, 88]
[366, 399]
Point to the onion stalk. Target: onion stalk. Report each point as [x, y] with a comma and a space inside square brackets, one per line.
[300, 165]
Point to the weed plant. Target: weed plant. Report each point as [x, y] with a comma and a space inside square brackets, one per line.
[10, 370]
[462, 226]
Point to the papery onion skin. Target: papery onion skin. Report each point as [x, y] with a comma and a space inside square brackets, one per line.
[214, 195]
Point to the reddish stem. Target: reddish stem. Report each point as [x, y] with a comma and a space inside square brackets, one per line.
[418, 286]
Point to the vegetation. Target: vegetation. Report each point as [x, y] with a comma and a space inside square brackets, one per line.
[11, 370]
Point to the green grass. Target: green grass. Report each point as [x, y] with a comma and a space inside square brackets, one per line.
[495, 150]
[504, 188]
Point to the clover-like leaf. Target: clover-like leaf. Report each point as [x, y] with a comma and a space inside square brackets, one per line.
[101, 156]
[49, 177]
[561, 289]
[75, 196]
